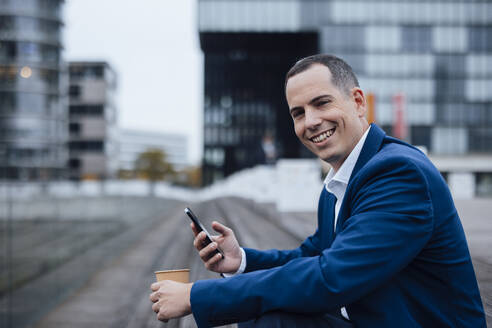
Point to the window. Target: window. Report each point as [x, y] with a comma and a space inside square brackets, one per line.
[385, 38]
[342, 38]
[92, 110]
[484, 184]
[29, 51]
[478, 114]
[449, 89]
[420, 113]
[74, 128]
[86, 145]
[479, 65]
[96, 71]
[23, 102]
[357, 62]
[479, 90]
[417, 65]
[451, 113]
[480, 38]
[421, 136]
[450, 39]
[8, 50]
[7, 24]
[416, 38]
[74, 91]
[451, 65]
[480, 140]
[74, 163]
[8, 75]
[87, 72]
[447, 141]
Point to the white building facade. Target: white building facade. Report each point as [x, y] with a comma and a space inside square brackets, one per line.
[134, 142]
[93, 143]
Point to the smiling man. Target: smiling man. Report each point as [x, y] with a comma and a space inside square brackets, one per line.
[389, 250]
[328, 111]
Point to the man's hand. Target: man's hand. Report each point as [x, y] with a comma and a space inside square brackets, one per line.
[226, 241]
[171, 299]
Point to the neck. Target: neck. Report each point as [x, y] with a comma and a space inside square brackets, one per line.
[337, 164]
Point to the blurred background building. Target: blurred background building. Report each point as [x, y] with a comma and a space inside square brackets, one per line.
[244, 98]
[33, 116]
[430, 61]
[135, 142]
[93, 143]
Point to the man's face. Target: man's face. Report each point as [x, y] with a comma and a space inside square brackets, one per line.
[328, 121]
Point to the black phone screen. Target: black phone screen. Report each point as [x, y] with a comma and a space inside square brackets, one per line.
[199, 226]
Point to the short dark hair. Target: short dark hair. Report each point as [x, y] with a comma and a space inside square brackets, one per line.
[343, 76]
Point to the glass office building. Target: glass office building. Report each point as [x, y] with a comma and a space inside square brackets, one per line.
[433, 57]
[33, 120]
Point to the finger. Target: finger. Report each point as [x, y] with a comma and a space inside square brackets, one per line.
[156, 307]
[213, 260]
[207, 251]
[153, 297]
[195, 231]
[155, 286]
[199, 241]
[222, 229]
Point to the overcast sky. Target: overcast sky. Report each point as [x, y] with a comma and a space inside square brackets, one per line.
[153, 46]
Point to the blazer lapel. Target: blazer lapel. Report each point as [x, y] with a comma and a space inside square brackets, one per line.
[326, 218]
[371, 147]
[331, 220]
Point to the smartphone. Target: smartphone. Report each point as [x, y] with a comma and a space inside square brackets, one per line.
[199, 226]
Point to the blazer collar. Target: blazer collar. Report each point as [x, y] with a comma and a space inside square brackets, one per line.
[371, 146]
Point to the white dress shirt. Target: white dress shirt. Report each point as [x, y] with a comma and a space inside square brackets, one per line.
[335, 182]
[242, 266]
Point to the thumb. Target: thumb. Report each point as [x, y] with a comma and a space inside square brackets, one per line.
[220, 228]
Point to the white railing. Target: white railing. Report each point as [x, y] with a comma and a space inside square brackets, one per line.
[293, 185]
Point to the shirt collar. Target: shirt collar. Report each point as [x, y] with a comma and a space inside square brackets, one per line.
[342, 176]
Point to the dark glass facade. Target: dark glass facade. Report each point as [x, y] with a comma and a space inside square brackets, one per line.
[33, 119]
[244, 98]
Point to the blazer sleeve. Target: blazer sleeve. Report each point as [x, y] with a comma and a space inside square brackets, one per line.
[391, 221]
[259, 260]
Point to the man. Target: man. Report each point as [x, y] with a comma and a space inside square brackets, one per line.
[389, 250]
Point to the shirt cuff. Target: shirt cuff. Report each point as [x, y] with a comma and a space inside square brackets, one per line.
[242, 266]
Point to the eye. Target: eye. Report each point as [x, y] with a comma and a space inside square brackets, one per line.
[297, 113]
[322, 103]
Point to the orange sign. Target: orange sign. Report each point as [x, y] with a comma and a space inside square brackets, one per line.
[371, 108]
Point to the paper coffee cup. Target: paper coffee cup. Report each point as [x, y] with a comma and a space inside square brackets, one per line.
[182, 275]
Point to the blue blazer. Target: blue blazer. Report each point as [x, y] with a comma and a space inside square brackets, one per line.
[397, 258]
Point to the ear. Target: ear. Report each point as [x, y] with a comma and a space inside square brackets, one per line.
[360, 101]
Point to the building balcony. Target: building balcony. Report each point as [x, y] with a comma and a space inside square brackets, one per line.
[32, 8]
[32, 36]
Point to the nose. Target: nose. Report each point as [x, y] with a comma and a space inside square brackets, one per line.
[312, 120]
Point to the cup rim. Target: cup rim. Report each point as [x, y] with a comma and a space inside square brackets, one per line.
[175, 270]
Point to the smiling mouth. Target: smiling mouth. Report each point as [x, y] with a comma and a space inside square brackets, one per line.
[323, 136]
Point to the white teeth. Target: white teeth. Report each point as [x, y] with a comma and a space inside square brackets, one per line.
[323, 136]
